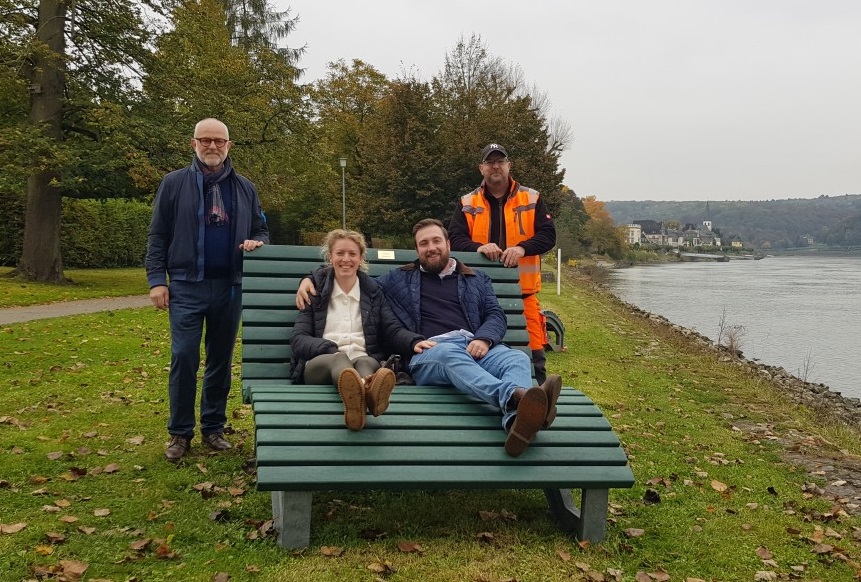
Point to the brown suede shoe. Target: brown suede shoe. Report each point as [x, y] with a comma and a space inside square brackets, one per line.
[552, 387]
[176, 448]
[352, 391]
[378, 390]
[531, 412]
[216, 441]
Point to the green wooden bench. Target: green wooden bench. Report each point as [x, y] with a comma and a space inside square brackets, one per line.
[431, 437]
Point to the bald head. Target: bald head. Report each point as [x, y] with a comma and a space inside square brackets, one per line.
[211, 143]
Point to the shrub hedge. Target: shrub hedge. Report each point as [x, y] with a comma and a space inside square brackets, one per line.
[95, 234]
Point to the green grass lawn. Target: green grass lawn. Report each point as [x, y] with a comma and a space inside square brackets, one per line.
[83, 284]
[82, 433]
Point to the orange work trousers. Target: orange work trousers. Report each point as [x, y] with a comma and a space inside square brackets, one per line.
[536, 323]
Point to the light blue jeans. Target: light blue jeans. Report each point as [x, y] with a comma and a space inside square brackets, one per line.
[492, 379]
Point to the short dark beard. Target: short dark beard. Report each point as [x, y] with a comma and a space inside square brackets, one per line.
[436, 268]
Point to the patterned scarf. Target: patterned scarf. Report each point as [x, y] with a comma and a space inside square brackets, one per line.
[215, 213]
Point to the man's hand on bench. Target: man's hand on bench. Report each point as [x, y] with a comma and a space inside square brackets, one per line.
[304, 292]
[250, 245]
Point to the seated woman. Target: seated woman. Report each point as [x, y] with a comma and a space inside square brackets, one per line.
[347, 329]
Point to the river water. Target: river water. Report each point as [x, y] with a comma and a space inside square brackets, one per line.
[802, 313]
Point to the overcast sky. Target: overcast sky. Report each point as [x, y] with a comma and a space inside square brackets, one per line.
[667, 99]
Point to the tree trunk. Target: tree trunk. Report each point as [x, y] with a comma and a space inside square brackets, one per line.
[40, 256]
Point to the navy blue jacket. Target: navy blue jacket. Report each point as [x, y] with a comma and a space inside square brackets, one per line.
[474, 289]
[176, 233]
[384, 334]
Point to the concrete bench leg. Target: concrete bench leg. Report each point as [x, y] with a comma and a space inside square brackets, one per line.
[291, 512]
[587, 523]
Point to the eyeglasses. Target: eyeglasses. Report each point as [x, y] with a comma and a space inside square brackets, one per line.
[499, 162]
[208, 141]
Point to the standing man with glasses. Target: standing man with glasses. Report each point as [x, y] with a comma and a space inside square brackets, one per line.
[204, 217]
[508, 222]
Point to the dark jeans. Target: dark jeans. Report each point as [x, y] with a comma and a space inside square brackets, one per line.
[217, 306]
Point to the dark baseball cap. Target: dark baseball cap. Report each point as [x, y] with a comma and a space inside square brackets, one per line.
[490, 148]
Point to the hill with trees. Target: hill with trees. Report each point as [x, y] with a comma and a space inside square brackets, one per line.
[834, 221]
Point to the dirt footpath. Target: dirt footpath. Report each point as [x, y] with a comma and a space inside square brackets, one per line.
[21, 314]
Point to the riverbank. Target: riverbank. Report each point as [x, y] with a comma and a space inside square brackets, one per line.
[816, 396]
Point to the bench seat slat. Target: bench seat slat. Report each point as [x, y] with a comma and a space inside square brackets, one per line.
[388, 477]
[345, 454]
[392, 421]
[419, 436]
[401, 406]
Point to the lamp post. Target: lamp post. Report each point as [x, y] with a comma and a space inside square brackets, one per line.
[343, 195]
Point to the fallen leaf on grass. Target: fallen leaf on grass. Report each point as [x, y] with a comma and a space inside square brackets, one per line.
[633, 532]
[56, 455]
[236, 491]
[487, 515]
[12, 528]
[718, 486]
[38, 479]
[485, 537]
[651, 497]
[55, 538]
[220, 577]
[822, 549]
[140, 545]
[102, 512]
[332, 551]
[135, 440]
[86, 530]
[164, 552]
[764, 553]
[410, 547]
[112, 468]
[73, 569]
[563, 555]
[68, 519]
[765, 576]
[385, 568]
[373, 534]
[43, 550]
[252, 568]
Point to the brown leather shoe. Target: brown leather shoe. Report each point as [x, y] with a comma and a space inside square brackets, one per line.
[552, 387]
[378, 390]
[176, 448]
[531, 412]
[216, 441]
[352, 391]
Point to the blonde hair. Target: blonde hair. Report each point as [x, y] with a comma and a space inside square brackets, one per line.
[334, 236]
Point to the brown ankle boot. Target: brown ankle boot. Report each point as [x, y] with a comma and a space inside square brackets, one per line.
[352, 391]
[378, 390]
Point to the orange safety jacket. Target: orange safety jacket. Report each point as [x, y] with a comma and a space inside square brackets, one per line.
[519, 217]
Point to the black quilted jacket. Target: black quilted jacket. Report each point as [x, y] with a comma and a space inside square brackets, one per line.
[384, 333]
